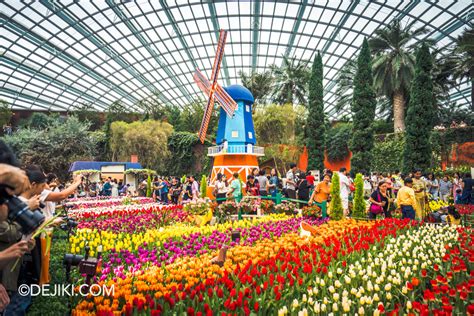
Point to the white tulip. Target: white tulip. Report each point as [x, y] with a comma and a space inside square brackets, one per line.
[295, 303]
[347, 279]
[323, 307]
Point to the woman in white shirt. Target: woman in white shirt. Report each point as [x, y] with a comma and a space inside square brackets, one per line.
[114, 188]
[220, 188]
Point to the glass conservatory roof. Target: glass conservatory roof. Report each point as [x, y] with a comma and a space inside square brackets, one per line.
[58, 55]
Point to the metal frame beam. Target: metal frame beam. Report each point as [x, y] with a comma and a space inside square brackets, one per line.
[109, 51]
[115, 7]
[49, 79]
[255, 32]
[341, 22]
[34, 100]
[61, 54]
[296, 26]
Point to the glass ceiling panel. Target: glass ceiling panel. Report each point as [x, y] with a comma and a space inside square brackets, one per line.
[63, 54]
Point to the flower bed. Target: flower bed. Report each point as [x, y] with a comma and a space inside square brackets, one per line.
[133, 220]
[119, 239]
[465, 209]
[103, 203]
[93, 211]
[350, 267]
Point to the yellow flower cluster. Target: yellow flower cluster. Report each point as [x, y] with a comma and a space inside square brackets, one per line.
[436, 205]
[109, 240]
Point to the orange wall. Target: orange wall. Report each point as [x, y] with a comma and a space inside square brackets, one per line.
[335, 166]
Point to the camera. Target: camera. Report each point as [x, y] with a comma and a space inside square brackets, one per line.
[68, 225]
[19, 212]
[86, 265]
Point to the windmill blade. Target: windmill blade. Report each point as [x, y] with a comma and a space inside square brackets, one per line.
[222, 97]
[202, 82]
[219, 55]
[225, 100]
[206, 119]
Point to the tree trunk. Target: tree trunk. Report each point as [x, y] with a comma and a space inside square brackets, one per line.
[398, 111]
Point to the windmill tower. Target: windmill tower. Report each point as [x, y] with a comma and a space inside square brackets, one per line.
[235, 150]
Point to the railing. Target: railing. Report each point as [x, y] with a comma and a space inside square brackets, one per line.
[235, 150]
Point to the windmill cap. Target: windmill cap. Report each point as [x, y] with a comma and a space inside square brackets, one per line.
[240, 93]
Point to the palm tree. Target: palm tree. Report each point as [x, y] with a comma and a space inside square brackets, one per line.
[345, 83]
[463, 55]
[290, 81]
[394, 65]
[344, 90]
[259, 83]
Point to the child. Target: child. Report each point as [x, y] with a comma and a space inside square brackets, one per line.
[458, 197]
[452, 218]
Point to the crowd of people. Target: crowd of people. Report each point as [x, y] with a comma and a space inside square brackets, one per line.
[28, 198]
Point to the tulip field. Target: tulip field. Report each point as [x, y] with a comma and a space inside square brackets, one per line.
[159, 261]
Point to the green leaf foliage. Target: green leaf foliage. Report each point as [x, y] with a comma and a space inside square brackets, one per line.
[56, 147]
[259, 83]
[5, 113]
[420, 115]
[387, 153]
[187, 154]
[358, 210]
[278, 123]
[86, 112]
[335, 206]
[290, 80]
[337, 142]
[148, 140]
[203, 186]
[315, 125]
[363, 110]
[149, 190]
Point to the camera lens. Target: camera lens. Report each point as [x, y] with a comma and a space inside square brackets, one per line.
[20, 213]
[72, 260]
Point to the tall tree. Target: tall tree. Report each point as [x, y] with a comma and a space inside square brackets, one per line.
[464, 57]
[5, 113]
[420, 115]
[87, 112]
[315, 127]
[394, 65]
[290, 81]
[363, 110]
[259, 83]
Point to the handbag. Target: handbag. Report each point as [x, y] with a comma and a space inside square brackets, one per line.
[374, 208]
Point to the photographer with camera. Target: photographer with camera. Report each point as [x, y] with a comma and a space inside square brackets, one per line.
[48, 200]
[15, 218]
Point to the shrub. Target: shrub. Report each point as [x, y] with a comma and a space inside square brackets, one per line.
[335, 206]
[358, 210]
[203, 186]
